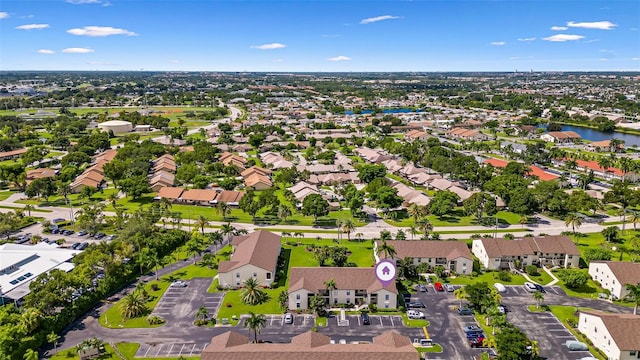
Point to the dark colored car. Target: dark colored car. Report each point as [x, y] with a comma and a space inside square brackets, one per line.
[365, 319]
[465, 311]
[416, 305]
[539, 288]
[75, 245]
[82, 233]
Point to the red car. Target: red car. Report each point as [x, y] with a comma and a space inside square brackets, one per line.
[438, 286]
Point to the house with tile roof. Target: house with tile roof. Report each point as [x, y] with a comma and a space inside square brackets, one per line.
[310, 345]
[198, 196]
[561, 137]
[353, 286]
[615, 275]
[169, 193]
[254, 256]
[617, 335]
[550, 251]
[454, 256]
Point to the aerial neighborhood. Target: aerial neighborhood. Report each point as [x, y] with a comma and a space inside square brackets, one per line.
[219, 215]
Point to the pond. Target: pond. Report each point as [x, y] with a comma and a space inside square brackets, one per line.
[597, 135]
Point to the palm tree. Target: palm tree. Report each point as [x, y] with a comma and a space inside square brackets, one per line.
[425, 226]
[634, 296]
[535, 349]
[539, 298]
[255, 322]
[626, 165]
[53, 338]
[575, 221]
[31, 354]
[165, 204]
[113, 200]
[298, 233]
[28, 208]
[227, 230]
[415, 211]
[284, 212]
[461, 294]
[359, 236]
[386, 249]
[605, 163]
[348, 227]
[30, 319]
[202, 313]
[223, 209]
[330, 285]
[635, 219]
[133, 305]
[339, 226]
[252, 294]
[202, 222]
[413, 231]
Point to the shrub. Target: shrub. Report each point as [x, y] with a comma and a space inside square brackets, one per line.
[292, 243]
[504, 276]
[532, 270]
[373, 308]
[574, 278]
[155, 320]
[229, 305]
[155, 287]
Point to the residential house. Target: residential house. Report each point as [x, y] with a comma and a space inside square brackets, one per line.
[198, 196]
[454, 256]
[39, 174]
[228, 158]
[13, 154]
[561, 137]
[617, 335]
[615, 275]
[230, 197]
[416, 135]
[161, 179]
[353, 286]
[411, 196]
[257, 182]
[603, 146]
[170, 193]
[301, 189]
[548, 251]
[310, 345]
[254, 256]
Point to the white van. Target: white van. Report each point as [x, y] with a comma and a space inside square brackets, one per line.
[500, 287]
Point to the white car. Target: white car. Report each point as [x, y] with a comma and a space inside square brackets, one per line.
[501, 288]
[415, 314]
[449, 287]
[179, 283]
[530, 287]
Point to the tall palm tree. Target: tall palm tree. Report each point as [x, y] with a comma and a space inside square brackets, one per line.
[538, 297]
[223, 209]
[28, 208]
[460, 294]
[605, 163]
[133, 305]
[348, 227]
[227, 230]
[634, 295]
[30, 319]
[113, 200]
[202, 313]
[339, 226]
[575, 221]
[415, 211]
[330, 285]
[386, 249]
[359, 236]
[252, 294]
[635, 219]
[425, 226]
[255, 322]
[202, 222]
[626, 165]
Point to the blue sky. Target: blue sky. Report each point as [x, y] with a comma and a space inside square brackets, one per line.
[473, 35]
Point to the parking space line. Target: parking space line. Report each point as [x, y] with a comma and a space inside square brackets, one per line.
[180, 353]
[171, 349]
[391, 318]
[149, 348]
[380, 318]
[193, 347]
[160, 348]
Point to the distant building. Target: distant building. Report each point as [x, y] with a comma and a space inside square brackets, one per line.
[117, 126]
[454, 256]
[561, 137]
[615, 275]
[254, 256]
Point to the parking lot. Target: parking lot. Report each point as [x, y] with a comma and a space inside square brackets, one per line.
[277, 321]
[171, 350]
[180, 304]
[380, 321]
[548, 331]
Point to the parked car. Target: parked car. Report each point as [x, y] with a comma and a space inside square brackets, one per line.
[449, 287]
[465, 311]
[82, 246]
[501, 288]
[68, 232]
[422, 288]
[365, 318]
[111, 237]
[179, 283]
[75, 245]
[82, 233]
[472, 328]
[57, 220]
[416, 305]
[576, 345]
[288, 318]
[539, 288]
[415, 314]
[438, 286]
[530, 287]
[476, 342]
[502, 309]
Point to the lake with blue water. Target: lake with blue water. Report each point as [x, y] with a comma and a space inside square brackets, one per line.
[596, 135]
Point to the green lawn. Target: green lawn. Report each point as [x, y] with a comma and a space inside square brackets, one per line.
[237, 308]
[488, 277]
[72, 354]
[5, 194]
[361, 252]
[112, 317]
[436, 348]
[128, 350]
[457, 218]
[543, 279]
[590, 290]
[76, 199]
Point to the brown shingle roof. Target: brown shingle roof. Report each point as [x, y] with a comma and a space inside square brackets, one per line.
[170, 192]
[229, 196]
[625, 272]
[528, 245]
[431, 249]
[260, 248]
[198, 195]
[310, 346]
[623, 328]
[313, 278]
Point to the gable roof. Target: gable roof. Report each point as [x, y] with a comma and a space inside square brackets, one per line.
[623, 328]
[430, 249]
[542, 245]
[625, 272]
[313, 278]
[170, 192]
[260, 249]
[198, 195]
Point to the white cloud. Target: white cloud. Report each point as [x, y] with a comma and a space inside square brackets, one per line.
[32, 27]
[635, 59]
[559, 28]
[4, 15]
[82, 2]
[563, 37]
[527, 39]
[99, 31]
[77, 50]
[604, 59]
[46, 51]
[378, 18]
[601, 25]
[514, 58]
[271, 46]
[498, 43]
[339, 58]
[174, 61]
